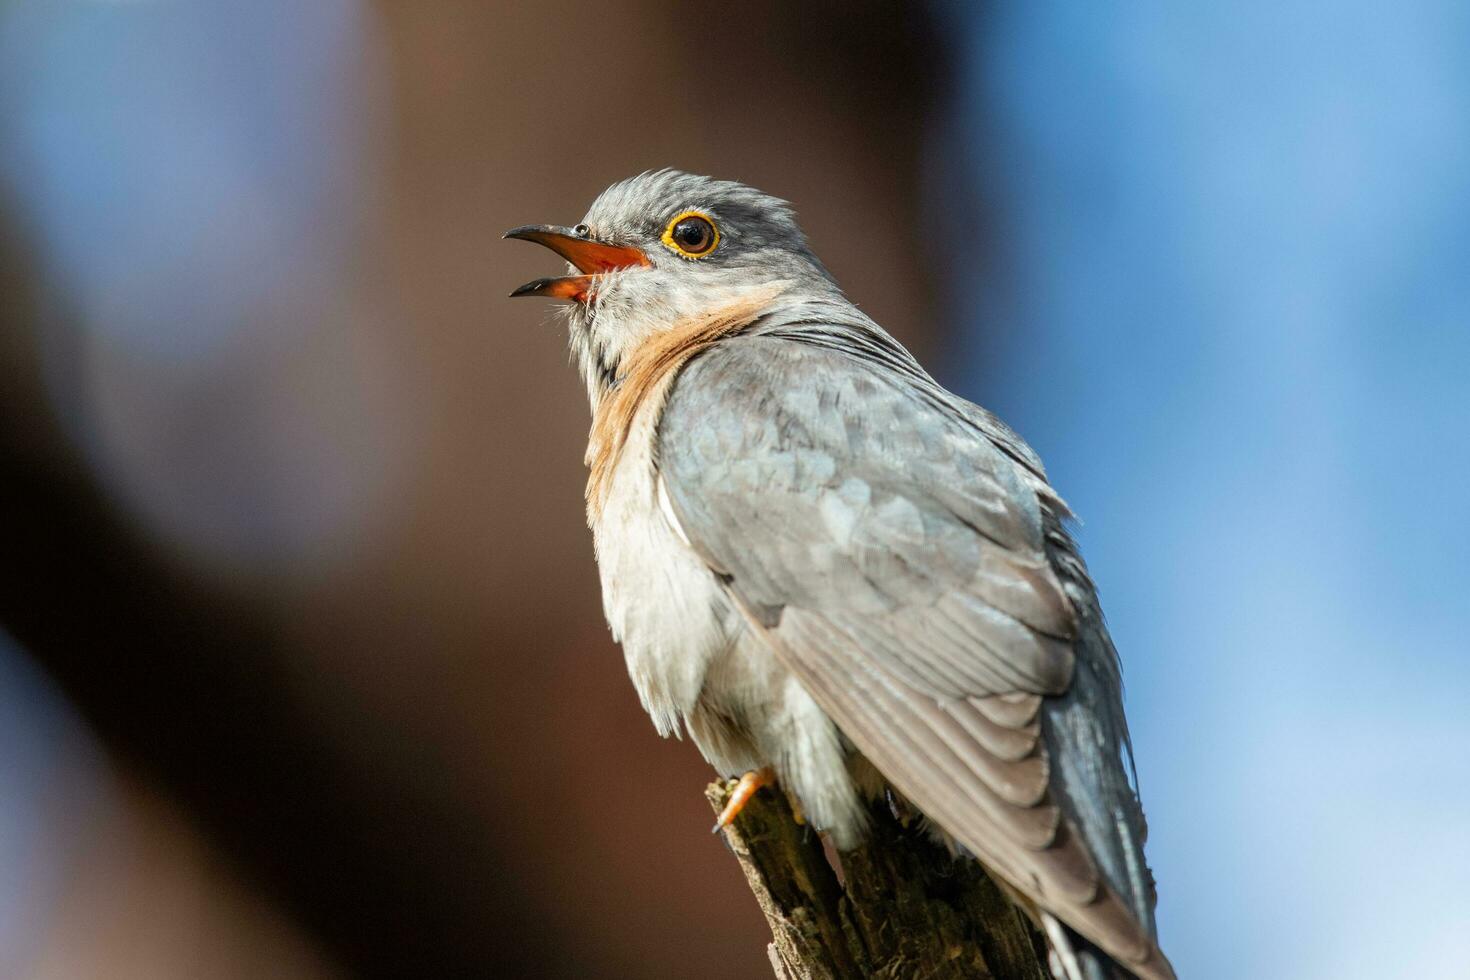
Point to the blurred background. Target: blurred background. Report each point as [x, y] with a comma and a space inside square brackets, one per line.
[302, 665]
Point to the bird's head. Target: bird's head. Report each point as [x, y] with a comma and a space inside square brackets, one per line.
[664, 246]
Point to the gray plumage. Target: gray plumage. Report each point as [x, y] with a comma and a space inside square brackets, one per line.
[820, 560]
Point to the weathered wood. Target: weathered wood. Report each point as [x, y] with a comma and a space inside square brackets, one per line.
[896, 908]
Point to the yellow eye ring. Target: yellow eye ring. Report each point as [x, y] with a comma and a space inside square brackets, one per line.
[692, 235]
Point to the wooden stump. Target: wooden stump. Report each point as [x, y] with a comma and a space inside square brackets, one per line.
[899, 908]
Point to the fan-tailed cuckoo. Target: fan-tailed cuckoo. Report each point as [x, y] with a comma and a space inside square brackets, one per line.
[838, 575]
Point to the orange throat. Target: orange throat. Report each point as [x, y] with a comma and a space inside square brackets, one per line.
[648, 373]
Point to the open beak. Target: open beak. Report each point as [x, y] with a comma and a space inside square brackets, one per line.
[592, 258]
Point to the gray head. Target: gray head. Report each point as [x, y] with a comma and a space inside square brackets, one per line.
[658, 248]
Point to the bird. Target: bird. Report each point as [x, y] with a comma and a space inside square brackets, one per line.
[838, 576]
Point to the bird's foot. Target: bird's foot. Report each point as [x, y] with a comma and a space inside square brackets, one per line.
[901, 810]
[744, 790]
[797, 813]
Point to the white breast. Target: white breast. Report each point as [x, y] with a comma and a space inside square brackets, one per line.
[664, 606]
[694, 661]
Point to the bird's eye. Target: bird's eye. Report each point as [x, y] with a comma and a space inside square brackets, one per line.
[692, 235]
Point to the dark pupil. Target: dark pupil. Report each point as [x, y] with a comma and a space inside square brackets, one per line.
[693, 234]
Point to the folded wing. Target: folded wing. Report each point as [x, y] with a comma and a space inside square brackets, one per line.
[904, 567]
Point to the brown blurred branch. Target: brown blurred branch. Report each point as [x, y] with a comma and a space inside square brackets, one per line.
[901, 906]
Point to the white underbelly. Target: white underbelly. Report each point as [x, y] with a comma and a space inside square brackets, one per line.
[687, 647]
[663, 604]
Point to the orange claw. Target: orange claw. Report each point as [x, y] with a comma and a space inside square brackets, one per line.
[744, 790]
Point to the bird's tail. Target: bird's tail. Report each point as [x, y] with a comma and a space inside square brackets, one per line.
[1074, 958]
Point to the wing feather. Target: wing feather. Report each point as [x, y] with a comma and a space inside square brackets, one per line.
[899, 560]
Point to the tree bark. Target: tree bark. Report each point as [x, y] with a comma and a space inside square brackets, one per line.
[897, 907]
